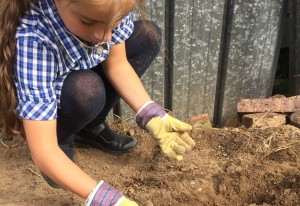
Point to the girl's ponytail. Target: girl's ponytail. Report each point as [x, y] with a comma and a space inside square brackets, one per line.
[10, 12]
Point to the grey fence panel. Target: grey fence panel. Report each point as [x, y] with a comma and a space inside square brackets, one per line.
[153, 79]
[219, 52]
[252, 51]
[197, 37]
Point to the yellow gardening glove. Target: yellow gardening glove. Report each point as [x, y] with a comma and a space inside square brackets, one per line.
[127, 202]
[172, 135]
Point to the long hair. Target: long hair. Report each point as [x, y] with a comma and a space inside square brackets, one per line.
[10, 12]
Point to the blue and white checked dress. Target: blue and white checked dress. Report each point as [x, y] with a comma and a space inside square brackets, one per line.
[46, 53]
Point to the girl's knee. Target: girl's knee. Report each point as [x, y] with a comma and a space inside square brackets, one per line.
[83, 92]
[150, 32]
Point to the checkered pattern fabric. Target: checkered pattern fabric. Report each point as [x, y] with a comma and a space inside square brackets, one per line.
[46, 52]
[148, 111]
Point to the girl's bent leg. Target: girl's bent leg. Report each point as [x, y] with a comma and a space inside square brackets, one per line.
[82, 99]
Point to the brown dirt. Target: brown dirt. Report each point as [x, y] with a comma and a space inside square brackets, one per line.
[233, 166]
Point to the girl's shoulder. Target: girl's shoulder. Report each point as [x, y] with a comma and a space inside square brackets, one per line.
[33, 26]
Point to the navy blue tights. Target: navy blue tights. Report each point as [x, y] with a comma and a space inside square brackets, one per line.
[87, 96]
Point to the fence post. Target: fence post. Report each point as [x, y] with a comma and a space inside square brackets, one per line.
[294, 70]
[222, 68]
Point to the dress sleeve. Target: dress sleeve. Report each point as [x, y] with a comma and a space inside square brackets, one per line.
[123, 31]
[35, 73]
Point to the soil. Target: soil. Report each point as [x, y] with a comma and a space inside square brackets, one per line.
[228, 166]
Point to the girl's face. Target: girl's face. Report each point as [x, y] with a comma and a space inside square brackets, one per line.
[94, 20]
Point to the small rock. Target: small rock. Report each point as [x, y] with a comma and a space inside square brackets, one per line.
[147, 203]
[131, 132]
[184, 169]
[131, 190]
[236, 130]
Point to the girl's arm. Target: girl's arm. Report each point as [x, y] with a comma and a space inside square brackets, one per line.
[172, 134]
[124, 79]
[50, 159]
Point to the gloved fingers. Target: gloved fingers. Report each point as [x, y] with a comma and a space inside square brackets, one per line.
[187, 139]
[181, 142]
[179, 157]
[173, 154]
[179, 149]
[171, 148]
[127, 202]
[172, 140]
[177, 125]
[185, 145]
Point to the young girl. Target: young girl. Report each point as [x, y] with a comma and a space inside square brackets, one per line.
[64, 65]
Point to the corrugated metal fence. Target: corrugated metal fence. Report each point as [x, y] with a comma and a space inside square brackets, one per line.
[215, 52]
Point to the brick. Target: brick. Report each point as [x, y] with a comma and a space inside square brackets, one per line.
[259, 120]
[295, 119]
[290, 104]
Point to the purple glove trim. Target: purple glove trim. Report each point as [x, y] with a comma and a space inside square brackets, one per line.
[106, 195]
[150, 111]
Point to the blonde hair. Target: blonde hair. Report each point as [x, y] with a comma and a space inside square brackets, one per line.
[10, 13]
[118, 10]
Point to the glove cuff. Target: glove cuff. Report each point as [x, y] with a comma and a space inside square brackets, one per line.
[148, 111]
[104, 194]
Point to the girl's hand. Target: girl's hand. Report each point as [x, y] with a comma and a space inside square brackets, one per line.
[104, 194]
[172, 135]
